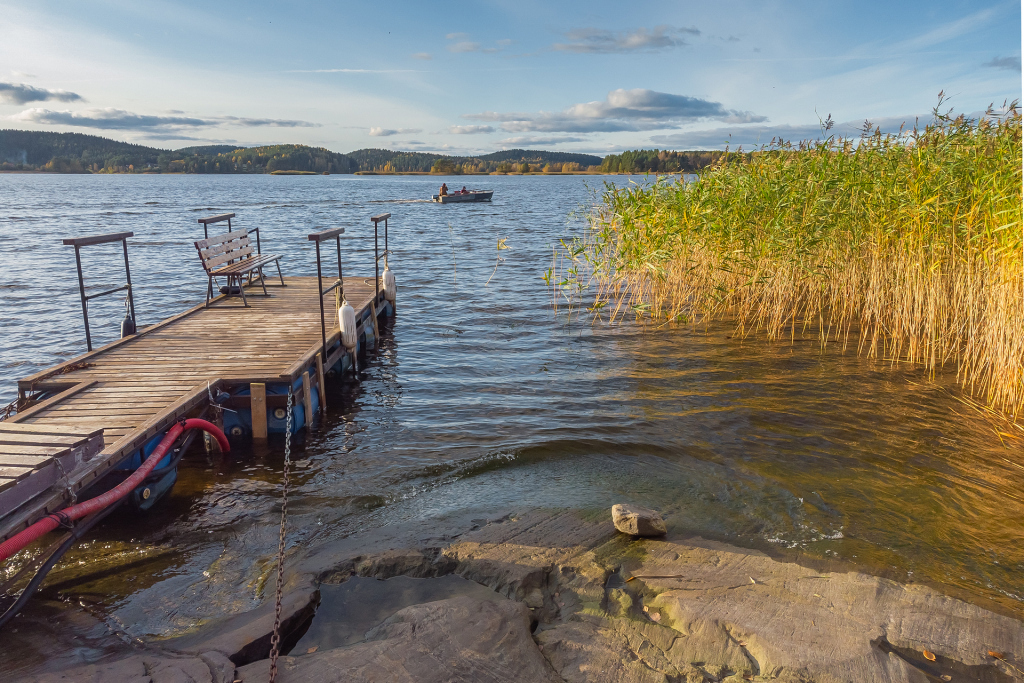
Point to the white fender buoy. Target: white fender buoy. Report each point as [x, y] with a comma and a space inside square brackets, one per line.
[390, 288]
[347, 318]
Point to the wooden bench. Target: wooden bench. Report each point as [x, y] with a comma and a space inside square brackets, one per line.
[233, 257]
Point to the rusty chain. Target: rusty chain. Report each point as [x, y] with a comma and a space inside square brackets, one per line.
[275, 640]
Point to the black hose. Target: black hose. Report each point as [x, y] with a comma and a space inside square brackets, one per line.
[41, 573]
[179, 453]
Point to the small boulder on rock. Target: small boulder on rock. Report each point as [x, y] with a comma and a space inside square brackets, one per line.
[638, 521]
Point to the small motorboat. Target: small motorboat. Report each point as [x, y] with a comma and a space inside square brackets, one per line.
[468, 196]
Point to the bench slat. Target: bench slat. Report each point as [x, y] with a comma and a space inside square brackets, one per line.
[229, 256]
[246, 265]
[225, 247]
[218, 239]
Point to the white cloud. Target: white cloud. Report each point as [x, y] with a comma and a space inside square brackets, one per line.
[470, 130]
[387, 132]
[119, 119]
[622, 110]
[536, 140]
[413, 146]
[273, 123]
[179, 136]
[949, 31]
[19, 93]
[464, 44]
[108, 119]
[425, 56]
[600, 41]
[354, 71]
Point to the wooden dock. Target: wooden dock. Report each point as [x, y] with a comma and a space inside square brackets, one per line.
[101, 407]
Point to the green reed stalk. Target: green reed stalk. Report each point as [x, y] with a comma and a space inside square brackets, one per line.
[908, 245]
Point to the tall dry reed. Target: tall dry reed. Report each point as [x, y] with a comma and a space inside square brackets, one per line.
[907, 247]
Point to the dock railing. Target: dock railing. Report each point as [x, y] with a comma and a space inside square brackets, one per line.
[78, 243]
[376, 251]
[317, 238]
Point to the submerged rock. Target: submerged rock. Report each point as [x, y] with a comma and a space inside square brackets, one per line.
[638, 521]
[246, 637]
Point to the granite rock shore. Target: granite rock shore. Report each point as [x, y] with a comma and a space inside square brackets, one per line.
[584, 604]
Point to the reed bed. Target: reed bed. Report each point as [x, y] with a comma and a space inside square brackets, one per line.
[906, 247]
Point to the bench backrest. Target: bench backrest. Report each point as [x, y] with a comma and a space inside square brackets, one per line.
[220, 249]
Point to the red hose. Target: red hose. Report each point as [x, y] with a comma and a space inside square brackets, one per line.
[52, 521]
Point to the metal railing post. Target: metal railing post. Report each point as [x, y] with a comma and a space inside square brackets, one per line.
[376, 251]
[339, 267]
[85, 303]
[318, 237]
[128, 275]
[323, 319]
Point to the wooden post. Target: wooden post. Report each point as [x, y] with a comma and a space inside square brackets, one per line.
[307, 398]
[376, 332]
[320, 386]
[258, 402]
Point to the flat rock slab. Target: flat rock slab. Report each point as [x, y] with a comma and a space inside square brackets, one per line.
[516, 556]
[149, 667]
[460, 639]
[701, 610]
[833, 626]
[636, 520]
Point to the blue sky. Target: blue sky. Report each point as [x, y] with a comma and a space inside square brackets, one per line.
[593, 76]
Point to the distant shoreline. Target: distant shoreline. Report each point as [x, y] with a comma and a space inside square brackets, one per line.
[449, 175]
[307, 173]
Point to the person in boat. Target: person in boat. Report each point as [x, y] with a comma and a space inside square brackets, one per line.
[464, 190]
[443, 192]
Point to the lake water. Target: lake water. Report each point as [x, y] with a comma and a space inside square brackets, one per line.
[481, 396]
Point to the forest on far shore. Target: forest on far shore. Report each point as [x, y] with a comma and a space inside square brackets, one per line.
[79, 153]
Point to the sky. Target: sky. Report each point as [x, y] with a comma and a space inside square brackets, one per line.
[595, 76]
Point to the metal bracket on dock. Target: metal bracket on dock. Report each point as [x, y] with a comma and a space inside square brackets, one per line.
[78, 243]
[317, 238]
